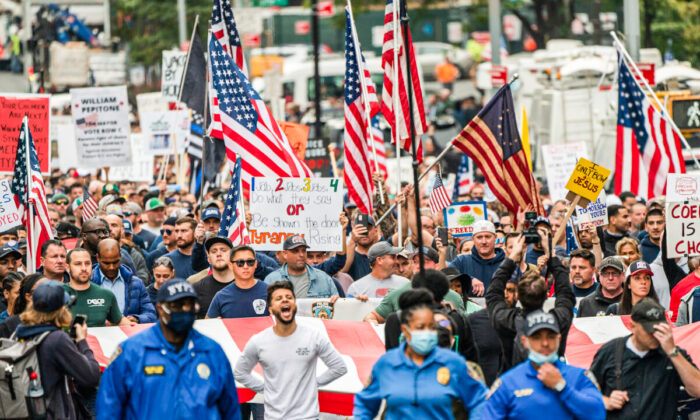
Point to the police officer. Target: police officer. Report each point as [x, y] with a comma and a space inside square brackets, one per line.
[418, 379]
[544, 384]
[169, 370]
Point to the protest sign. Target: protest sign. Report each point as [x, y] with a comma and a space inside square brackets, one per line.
[559, 161]
[683, 229]
[173, 67]
[587, 181]
[101, 126]
[596, 212]
[682, 187]
[317, 157]
[63, 134]
[297, 134]
[9, 216]
[141, 168]
[344, 309]
[283, 207]
[13, 108]
[151, 101]
[164, 130]
[460, 217]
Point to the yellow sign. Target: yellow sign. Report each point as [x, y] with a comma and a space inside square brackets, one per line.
[588, 179]
[443, 375]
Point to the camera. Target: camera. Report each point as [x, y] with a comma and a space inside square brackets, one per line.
[530, 232]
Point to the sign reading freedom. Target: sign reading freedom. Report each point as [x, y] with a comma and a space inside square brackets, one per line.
[12, 110]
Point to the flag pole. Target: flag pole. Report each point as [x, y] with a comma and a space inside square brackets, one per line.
[205, 137]
[397, 136]
[31, 257]
[621, 48]
[411, 133]
[365, 97]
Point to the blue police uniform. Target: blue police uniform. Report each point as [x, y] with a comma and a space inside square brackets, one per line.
[419, 392]
[150, 380]
[518, 394]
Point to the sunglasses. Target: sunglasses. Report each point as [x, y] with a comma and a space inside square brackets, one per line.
[128, 213]
[166, 232]
[61, 202]
[166, 262]
[241, 263]
[98, 231]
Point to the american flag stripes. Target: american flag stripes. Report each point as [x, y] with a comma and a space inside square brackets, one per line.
[401, 132]
[377, 137]
[647, 147]
[247, 125]
[492, 140]
[223, 26]
[232, 223]
[464, 180]
[30, 197]
[439, 199]
[89, 206]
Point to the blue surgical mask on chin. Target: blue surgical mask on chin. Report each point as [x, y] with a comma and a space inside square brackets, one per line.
[423, 341]
[180, 322]
[539, 359]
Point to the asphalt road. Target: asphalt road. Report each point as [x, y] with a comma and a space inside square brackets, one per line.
[13, 82]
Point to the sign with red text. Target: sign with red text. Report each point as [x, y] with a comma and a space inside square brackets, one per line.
[13, 108]
[682, 187]
[9, 216]
[499, 75]
[683, 229]
[460, 217]
[282, 207]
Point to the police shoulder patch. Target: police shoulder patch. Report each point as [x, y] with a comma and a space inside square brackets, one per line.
[154, 370]
[494, 386]
[591, 376]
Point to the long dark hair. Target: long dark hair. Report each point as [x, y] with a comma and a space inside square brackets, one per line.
[625, 307]
[25, 288]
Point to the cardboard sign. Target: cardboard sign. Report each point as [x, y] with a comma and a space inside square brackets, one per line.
[559, 161]
[683, 229]
[587, 180]
[317, 157]
[9, 216]
[13, 108]
[173, 67]
[282, 207]
[164, 130]
[682, 187]
[297, 134]
[596, 212]
[101, 126]
[460, 217]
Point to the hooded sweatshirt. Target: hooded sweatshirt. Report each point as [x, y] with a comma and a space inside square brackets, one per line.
[649, 250]
[477, 267]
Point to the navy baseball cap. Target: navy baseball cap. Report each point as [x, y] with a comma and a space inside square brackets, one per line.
[9, 250]
[217, 240]
[294, 241]
[540, 320]
[211, 213]
[127, 227]
[175, 289]
[50, 296]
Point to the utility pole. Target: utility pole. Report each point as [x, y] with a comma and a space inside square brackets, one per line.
[317, 77]
[632, 35]
[182, 21]
[495, 30]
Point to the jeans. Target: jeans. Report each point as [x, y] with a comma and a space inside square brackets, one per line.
[257, 410]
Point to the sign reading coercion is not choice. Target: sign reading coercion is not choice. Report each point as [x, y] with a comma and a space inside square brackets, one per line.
[282, 207]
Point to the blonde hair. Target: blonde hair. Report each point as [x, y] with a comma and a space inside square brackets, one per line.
[627, 241]
[60, 318]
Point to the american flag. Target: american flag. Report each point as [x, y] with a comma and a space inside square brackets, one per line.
[439, 199]
[358, 171]
[377, 137]
[29, 194]
[89, 206]
[233, 220]
[492, 141]
[223, 26]
[465, 178]
[647, 147]
[388, 89]
[247, 125]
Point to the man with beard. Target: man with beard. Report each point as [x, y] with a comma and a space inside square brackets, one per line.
[94, 231]
[218, 250]
[182, 256]
[288, 353]
[97, 303]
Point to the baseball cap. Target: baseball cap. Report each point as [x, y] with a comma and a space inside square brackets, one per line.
[648, 312]
[382, 248]
[154, 203]
[484, 226]
[611, 262]
[542, 219]
[170, 221]
[210, 203]
[143, 188]
[175, 289]
[127, 226]
[211, 213]
[370, 220]
[114, 209]
[431, 253]
[49, 296]
[406, 253]
[453, 273]
[77, 203]
[135, 208]
[59, 196]
[294, 241]
[540, 320]
[217, 240]
[110, 188]
[110, 199]
[69, 229]
[8, 250]
[639, 266]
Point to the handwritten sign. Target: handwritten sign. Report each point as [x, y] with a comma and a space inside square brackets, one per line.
[101, 126]
[9, 216]
[163, 130]
[12, 111]
[460, 217]
[596, 212]
[282, 207]
[588, 179]
[141, 168]
[559, 162]
[683, 229]
[683, 187]
[173, 67]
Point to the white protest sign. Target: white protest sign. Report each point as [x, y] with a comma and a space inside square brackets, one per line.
[163, 130]
[101, 126]
[140, 170]
[171, 76]
[682, 187]
[683, 229]
[9, 216]
[559, 162]
[62, 132]
[596, 212]
[151, 101]
[460, 217]
[283, 207]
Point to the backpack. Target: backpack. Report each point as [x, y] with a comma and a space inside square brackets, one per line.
[17, 358]
[520, 353]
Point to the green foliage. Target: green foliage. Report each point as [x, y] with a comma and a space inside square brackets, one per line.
[679, 21]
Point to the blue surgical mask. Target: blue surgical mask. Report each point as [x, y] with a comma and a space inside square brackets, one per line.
[423, 341]
[181, 322]
[539, 359]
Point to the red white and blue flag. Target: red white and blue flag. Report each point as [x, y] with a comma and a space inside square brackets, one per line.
[89, 206]
[232, 224]
[223, 26]
[464, 180]
[377, 140]
[439, 199]
[30, 197]
[648, 149]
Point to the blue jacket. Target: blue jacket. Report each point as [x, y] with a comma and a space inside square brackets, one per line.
[419, 392]
[518, 394]
[320, 284]
[149, 379]
[478, 267]
[649, 250]
[138, 304]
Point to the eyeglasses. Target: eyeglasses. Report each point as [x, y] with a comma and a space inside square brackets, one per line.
[166, 262]
[609, 274]
[98, 231]
[166, 232]
[61, 202]
[241, 263]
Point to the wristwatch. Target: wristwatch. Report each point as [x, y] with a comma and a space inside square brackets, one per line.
[559, 387]
[675, 352]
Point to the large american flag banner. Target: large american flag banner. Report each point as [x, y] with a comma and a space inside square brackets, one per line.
[29, 194]
[223, 26]
[89, 206]
[377, 141]
[401, 131]
[492, 140]
[232, 223]
[648, 149]
[247, 125]
[439, 199]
